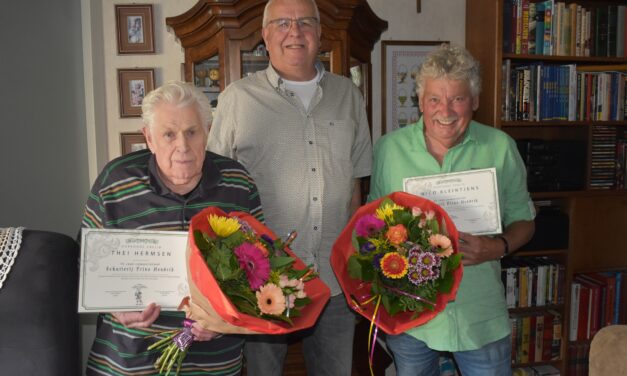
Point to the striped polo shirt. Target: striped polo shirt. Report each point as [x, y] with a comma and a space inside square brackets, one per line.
[128, 194]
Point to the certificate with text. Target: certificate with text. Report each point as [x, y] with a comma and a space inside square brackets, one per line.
[471, 198]
[125, 270]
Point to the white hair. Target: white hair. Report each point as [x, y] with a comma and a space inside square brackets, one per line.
[179, 93]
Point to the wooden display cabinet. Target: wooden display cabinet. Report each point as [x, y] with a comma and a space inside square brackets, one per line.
[225, 35]
[597, 216]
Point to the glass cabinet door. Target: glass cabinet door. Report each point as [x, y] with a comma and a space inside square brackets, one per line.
[254, 60]
[207, 78]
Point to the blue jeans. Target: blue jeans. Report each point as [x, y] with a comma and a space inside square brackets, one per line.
[412, 357]
[327, 347]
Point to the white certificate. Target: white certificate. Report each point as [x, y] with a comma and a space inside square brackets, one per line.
[125, 270]
[470, 198]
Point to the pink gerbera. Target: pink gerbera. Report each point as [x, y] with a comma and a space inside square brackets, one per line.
[270, 299]
[368, 225]
[442, 242]
[252, 260]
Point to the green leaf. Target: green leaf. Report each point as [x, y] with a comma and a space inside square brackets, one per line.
[454, 261]
[360, 267]
[234, 240]
[200, 240]
[280, 262]
[446, 283]
[402, 217]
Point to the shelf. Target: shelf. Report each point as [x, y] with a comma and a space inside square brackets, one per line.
[583, 193]
[582, 59]
[561, 123]
[528, 310]
[554, 363]
[541, 253]
[209, 89]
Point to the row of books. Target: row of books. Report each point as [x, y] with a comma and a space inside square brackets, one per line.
[557, 28]
[532, 281]
[597, 300]
[540, 370]
[544, 92]
[536, 338]
[607, 158]
[578, 353]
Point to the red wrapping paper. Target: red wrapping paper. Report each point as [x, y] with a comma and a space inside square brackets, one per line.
[343, 249]
[212, 308]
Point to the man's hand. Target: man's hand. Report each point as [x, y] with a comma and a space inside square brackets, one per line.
[139, 319]
[479, 249]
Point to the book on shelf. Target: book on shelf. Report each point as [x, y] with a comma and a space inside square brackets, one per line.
[608, 281]
[524, 37]
[591, 319]
[575, 290]
[548, 27]
[531, 28]
[558, 326]
[545, 370]
[539, 29]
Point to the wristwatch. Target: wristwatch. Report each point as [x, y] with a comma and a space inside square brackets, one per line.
[506, 243]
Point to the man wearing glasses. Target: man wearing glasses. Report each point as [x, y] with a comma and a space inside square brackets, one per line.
[303, 134]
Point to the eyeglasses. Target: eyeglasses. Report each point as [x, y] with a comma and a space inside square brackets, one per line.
[304, 23]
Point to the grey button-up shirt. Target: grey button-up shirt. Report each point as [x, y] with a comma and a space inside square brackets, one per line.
[304, 161]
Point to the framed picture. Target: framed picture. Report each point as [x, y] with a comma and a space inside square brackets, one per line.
[132, 142]
[135, 29]
[133, 85]
[400, 63]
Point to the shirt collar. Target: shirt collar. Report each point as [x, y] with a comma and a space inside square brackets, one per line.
[277, 82]
[211, 177]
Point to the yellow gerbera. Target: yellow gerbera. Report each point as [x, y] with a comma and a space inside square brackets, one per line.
[223, 226]
[386, 211]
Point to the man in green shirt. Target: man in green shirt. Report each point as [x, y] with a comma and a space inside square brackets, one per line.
[475, 327]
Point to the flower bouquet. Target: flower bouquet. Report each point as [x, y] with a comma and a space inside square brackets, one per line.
[242, 279]
[397, 261]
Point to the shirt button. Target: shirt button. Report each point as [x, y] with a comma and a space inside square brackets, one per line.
[315, 198]
[310, 142]
[313, 169]
[331, 123]
[316, 228]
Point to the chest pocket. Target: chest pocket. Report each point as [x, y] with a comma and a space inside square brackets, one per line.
[340, 137]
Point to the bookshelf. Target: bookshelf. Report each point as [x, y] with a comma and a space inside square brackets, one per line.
[587, 184]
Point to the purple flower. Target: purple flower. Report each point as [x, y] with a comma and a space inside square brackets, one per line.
[368, 225]
[366, 248]
[414, 256]
[244, 226]
[376, 261]
[269, 242]
[429, 260]
[422, 274]
[415, 277]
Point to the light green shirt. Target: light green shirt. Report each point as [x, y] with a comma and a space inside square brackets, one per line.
[479, 314]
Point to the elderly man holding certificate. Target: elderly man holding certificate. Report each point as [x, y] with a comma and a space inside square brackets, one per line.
[162, 189]
[468, 168]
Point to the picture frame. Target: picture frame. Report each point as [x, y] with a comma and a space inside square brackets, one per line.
[132, 141]
[400, 61]
[133, 85]
[135, 29]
